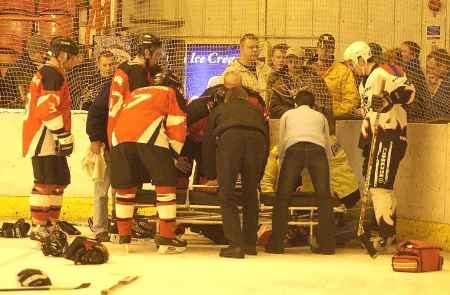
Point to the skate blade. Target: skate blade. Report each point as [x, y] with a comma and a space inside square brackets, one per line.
[164, 249]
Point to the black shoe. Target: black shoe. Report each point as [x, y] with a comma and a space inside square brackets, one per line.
[232, 252]
[251, 251]
[318, 250]
[103, 237]
[274, 250]
[125, 239]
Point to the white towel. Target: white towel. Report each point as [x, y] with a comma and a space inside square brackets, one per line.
[94, 165]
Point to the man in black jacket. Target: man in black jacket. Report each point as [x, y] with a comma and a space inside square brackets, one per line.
[241, 133]
[96, 125]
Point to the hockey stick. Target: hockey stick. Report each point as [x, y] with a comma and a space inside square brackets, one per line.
[46, 288]
[363, 236]
[125, 281]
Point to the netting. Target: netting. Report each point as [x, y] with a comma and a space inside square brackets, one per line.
[201, 39]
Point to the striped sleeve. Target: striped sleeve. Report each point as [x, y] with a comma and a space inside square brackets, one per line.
[175, 123]
[119, 87]
[47, 109]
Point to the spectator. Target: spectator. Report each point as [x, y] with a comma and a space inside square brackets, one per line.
[103, 74]
[338, 77]
[294, 60]
[410, 53]
[279, 57]
[377, 52]
[393, 57]
[245, 65]
[438, 75]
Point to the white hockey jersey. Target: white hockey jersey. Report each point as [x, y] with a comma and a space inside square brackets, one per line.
[382, 81]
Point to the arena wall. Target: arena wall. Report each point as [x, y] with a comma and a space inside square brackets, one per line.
[423, 186]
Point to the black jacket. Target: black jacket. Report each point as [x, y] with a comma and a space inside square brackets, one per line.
[238, 113]
[97, 119]
[280, 103]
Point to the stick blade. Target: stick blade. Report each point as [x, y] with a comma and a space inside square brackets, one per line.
[83, 286]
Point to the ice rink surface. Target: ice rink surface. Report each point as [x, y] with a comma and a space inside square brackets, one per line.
[201, 271]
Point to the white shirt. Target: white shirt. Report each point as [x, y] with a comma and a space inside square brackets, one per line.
[304, 124]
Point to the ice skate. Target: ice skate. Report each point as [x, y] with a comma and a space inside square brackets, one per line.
[170, 245]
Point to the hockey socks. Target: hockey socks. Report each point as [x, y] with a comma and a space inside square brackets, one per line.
[167, 210]
[125, 201]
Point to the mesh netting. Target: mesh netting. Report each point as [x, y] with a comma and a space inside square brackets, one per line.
[201, 38]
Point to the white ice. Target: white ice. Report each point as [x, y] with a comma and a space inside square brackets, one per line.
[201, 271]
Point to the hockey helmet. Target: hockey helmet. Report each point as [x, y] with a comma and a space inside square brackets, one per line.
[63, 44]
[356, 50]
[146, 41]
[326, 41]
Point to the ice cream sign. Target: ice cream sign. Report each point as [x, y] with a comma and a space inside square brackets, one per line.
[204, 61]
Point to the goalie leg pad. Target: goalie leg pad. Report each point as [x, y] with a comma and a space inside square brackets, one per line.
[87, 251]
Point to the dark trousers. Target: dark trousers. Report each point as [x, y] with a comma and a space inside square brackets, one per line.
[313, 157]
[240, 151]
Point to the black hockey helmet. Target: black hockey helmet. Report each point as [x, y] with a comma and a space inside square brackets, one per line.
[146, 41]
[63, 44]
[326, 41]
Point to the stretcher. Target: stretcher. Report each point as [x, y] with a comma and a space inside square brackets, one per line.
[200, 204]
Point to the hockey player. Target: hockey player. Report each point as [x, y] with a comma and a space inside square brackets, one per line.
[47, 138]
[146, 128]
[387, 126]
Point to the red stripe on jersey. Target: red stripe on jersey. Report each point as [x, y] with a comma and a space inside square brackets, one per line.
[44, 106]
[140, 115]
[165, 189]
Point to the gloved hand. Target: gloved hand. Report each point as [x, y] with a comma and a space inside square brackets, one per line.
[63, 142]
[184, 165]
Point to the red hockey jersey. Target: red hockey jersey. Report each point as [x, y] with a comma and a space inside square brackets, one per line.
[145, 111]
[48, 108]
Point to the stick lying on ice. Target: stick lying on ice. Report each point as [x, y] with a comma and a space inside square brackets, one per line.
[46, 288]
[125, 281]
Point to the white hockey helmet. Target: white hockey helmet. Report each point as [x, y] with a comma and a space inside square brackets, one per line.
[357, 49]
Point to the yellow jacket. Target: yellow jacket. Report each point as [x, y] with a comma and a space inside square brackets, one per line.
[342, 87]
[343, 180]
[269, 179]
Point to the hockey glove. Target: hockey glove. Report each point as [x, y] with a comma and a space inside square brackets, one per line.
[184, 165]
[55, 244]
[402, 95]
[87, 251]
[30, 277]
[63, 142]
[19, 229]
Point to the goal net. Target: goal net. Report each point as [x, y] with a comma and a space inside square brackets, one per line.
[201, 38]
